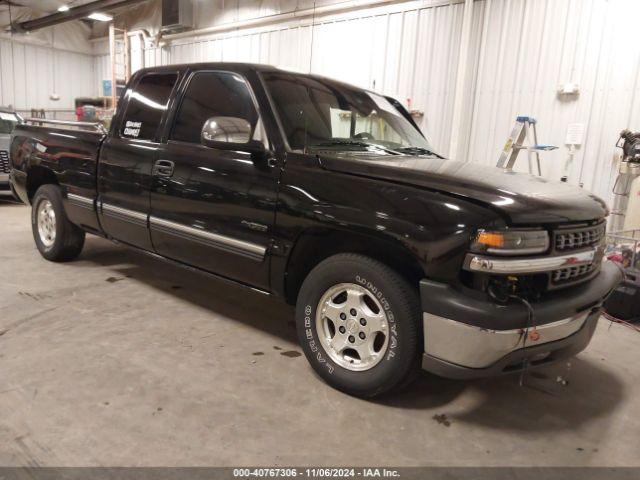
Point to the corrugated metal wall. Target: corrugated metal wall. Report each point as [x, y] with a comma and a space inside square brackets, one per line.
[521, 50]
[29, 74]
[408, 50]
[528, 48]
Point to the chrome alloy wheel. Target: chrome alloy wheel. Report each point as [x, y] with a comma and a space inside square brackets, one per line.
[352, 327]
[46, 218]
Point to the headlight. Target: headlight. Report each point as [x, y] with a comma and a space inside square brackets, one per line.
[511, 242]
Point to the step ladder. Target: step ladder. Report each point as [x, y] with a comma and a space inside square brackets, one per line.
[516, 142]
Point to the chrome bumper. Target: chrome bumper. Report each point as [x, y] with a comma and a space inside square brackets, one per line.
[469, 336]
[474, 347]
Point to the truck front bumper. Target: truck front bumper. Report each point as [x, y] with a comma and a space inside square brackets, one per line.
[467, 336]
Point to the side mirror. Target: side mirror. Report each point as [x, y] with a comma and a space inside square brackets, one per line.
[229, 133]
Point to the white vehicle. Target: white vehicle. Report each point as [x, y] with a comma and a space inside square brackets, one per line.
[8, 120]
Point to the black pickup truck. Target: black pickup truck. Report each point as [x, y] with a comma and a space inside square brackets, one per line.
[330, 197]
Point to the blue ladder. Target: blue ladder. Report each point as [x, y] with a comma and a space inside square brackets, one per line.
[516, 142]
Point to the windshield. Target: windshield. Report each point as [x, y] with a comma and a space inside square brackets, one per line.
[7, 122]
[318, 113]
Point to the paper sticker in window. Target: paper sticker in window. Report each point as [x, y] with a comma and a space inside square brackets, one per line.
[132, 129]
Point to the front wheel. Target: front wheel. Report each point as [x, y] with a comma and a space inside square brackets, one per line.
[56, 237]
[358, 323]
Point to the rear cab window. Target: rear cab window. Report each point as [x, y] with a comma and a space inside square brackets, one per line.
[148, 101]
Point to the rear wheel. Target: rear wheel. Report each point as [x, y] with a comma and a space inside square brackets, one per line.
[56, 237]
[358, 323]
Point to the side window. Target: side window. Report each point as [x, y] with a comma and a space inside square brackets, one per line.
[147, 103]
[213, 94]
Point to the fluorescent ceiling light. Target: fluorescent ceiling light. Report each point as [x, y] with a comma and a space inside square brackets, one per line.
[101, 17]
[63, 8]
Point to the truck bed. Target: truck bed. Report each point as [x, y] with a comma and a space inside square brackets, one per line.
[71, 154]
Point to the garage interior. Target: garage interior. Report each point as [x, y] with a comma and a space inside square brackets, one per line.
[117, 359]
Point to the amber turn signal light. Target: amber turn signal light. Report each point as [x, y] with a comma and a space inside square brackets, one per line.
[490, 239]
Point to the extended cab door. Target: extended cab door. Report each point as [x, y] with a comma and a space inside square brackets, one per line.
[127, 158]
[214, 208]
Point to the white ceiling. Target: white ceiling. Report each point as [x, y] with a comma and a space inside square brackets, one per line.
[45, 6]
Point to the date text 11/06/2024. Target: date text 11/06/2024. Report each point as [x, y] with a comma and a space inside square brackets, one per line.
[315, 472]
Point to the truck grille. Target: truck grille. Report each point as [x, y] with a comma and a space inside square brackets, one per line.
[571, 274]
[576, 238]
[4, 161]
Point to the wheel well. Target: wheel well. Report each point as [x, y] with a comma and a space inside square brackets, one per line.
[38, 176]
[312, 247]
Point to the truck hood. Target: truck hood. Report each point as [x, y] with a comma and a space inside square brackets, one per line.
[523, 198]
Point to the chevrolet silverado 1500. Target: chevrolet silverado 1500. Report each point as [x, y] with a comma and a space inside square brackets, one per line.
[330, 197]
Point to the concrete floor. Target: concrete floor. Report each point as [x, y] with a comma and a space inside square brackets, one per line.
[119, 360]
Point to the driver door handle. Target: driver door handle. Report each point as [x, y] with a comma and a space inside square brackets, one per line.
[163, 168]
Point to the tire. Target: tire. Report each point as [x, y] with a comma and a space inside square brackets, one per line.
[389, 339]
[57, 239]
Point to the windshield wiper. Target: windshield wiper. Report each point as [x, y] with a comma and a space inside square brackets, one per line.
[352, 143]
[418, 151]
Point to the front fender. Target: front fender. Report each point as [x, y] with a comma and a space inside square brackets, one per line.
[434, 227]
